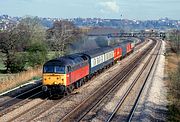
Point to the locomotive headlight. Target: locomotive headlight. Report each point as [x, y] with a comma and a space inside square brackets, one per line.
[55, 83]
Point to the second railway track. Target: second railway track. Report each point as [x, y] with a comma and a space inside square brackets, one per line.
[142, 79]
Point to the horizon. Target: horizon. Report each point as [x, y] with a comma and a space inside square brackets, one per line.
[104, 9]
[90, 18]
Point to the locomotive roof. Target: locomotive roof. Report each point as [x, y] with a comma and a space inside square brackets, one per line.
[107, 49]
[66, 60]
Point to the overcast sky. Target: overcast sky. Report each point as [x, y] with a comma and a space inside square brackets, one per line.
[119, 9]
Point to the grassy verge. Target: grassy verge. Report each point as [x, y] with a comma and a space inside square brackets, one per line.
[9, 81]
[12, 81]
[173, 72]
[2, 67]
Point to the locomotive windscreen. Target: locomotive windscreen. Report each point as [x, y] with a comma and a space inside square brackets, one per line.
[54, 69]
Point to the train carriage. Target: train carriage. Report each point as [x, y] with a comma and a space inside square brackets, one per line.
[108, 56]
[128, 47]
[99, 58]
[117, 52]
[124, 49]
[96, 57]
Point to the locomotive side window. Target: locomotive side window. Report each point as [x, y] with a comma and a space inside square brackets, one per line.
[69, 68]
[84, 57]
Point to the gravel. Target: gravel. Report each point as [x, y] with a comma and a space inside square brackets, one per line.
[20, 110]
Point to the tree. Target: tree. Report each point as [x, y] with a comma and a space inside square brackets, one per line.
[15, 41]
[174, 37]
[11, 43]
[36, 50]
[18, 63]
[35, 28]
[36, 54]
[60, 35]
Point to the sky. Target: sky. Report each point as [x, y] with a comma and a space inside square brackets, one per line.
[110, 9]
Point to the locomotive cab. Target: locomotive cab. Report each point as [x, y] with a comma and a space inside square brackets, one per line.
[54, 76]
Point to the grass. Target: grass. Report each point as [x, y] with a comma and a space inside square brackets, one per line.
[15, 80]
[172, 60]
[9, 81]
[2, 67]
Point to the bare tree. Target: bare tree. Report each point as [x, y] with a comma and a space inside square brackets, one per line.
[174, 38]
[62, 33]
[35, 28]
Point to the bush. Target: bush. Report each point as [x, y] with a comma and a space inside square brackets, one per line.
[175, 82]
[174, 113]
[174, 107]
[36, 54]
[18, 63]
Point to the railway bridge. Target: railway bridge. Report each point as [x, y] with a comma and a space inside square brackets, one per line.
[161, 35]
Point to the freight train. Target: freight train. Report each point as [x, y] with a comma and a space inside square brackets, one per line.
[62, 75]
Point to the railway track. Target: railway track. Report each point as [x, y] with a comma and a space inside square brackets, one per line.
[27, 113]
[19, 100]
[130, 117]
[38, 109]
[154, 64]
[97, 97]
